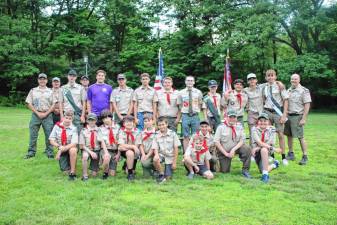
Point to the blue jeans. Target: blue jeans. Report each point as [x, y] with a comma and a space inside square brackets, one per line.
[190, 124]
[140, 117]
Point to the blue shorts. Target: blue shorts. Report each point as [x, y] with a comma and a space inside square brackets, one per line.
[190, 124]
[140, 117]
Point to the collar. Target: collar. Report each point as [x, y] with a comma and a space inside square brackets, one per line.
[168, 133]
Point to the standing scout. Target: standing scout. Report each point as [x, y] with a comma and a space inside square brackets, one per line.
[56, 83]
[190, 103]
[299, 105]
[263, 143]
[167, 104]
[236, 100]
[211, 105]
[229, 139]
[165, 146]
[85, 84]
[145, 101]
[93, 147]
[64, 137]
[128, 141]
[146, 139]
[73, 98]
[109, 132]
[40, 102]
[121, 99]
[276, 106]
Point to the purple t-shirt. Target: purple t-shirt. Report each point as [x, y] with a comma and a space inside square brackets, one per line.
[99, 97]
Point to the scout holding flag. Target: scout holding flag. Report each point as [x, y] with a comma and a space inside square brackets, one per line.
[211, 105]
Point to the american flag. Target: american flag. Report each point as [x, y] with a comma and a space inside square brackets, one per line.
[160, 72]
[227, 79]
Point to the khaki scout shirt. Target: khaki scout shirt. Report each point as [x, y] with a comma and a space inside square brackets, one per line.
[41, 98]
[56, 96]
[123, 138]
[255, 99]
[232, 103]
[297, 98]
[85, 137]
[165, 144]
[209, 140]
[164, 108]
[190, 151]
[122, 98]
[71, 131]
[145, 97]
[183, 100]
[218, 103]
[269, 135]
[78, 93]
[278, 95]
[147, 143]
[224, 136]
[104, 132]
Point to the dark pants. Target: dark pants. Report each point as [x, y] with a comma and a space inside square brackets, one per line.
[244, 154]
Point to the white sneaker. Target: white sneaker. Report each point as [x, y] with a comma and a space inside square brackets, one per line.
[285, 162]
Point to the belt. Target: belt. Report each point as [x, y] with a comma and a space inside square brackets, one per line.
[146, 112]
[270, 110]
[294, 114]
[192, 114]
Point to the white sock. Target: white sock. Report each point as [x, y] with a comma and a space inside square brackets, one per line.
[273, 166]
[264, 172]
[191, 172]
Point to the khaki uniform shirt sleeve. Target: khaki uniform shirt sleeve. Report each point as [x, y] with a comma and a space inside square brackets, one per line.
[29, 98]
[284, 94]
[208, 155]
[217, 135]
[306, 96]
[52, 135]
[176, 140]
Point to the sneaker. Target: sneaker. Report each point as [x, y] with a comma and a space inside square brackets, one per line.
[161, 179]
[190, 176]
[265, 178]
[303, 161]
[85, 178]
[105, 176]
[285, 162]
[50, 156]
[291, 156]
[72, 177]
[246, 174]
[29, 155]
[131, 177]
[276, 163]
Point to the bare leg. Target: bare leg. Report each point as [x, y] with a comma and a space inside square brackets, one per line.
[85, 157]
[73, 155]
[303, 146]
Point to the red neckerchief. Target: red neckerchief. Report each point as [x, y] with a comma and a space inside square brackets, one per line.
[128, 135]
[233, 130]
[168, 98]
[214, 101]
[63, 133]
[92, 139]
[147, 134]
[239, 97]
[202, 151]
[263, 135]
[204, 143]
[111, 137]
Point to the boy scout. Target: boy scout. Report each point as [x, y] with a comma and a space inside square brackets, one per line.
[121, 99]
[146, 139]
[190, 103]
[145, 101]
[165, 146]
[167, 104]
[229, 139]
[40, 102]
[299, 105]
[109, 133]
[128, 141]
[196, 158]
[263, 143]
[236, 100]
[276, 106]
[64, 137]
[73, 98]
[208, 137]
[56, 83]
[211, 105]
[93, 147]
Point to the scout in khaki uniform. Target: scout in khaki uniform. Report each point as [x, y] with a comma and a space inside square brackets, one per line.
[93, 147]
[109, 132]
[40, 102]
[56, 83]
[165, 146]
[263, 146]
[146, 139]
[64, 137]
[196, 158]
[212, 104]
[190, 103]
[209, 138]
[128, 141]
[73, 98]
[145, 101]
[236, 100]
[121, 99]
[85, 82]
[299, 105]
[276, 106]
[229, 138]
[167, 104]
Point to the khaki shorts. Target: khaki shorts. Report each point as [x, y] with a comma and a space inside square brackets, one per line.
[292, 127]
[274, 119]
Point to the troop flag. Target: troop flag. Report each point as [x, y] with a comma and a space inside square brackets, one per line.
[227, 80]
[160, 72]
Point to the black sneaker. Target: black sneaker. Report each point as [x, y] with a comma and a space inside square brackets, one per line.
[72, 177]
[50, 156]
[131, 177]
[105, 176]
[29, 155]
[303, 161]
[161, 179]
[246, 174]
[291, 156]
[85, 178]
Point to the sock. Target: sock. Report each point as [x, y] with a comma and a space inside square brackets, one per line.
[192, 172]
[273, 166]
[283, 156]
[265, 172]
[129, 171]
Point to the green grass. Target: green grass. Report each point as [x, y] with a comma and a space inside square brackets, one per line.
[35, 191]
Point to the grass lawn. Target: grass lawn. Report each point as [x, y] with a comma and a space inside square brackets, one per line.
[34, 191]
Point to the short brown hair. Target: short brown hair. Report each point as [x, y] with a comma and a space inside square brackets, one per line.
[106, 113]
[101, 71]
[147, 116]
[168, 78]
[162, 119]
[69, 113]
[145, 75]
[271, 71]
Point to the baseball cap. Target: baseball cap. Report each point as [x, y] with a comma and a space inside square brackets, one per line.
[120, 76]
[238, 81]
[251, 75]
[56, 79]
[231, 113]
[212, 83]
[84, 77]
[72, 72]
[91, 116]
[42, 75]
[204, 122]
[263, 115]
